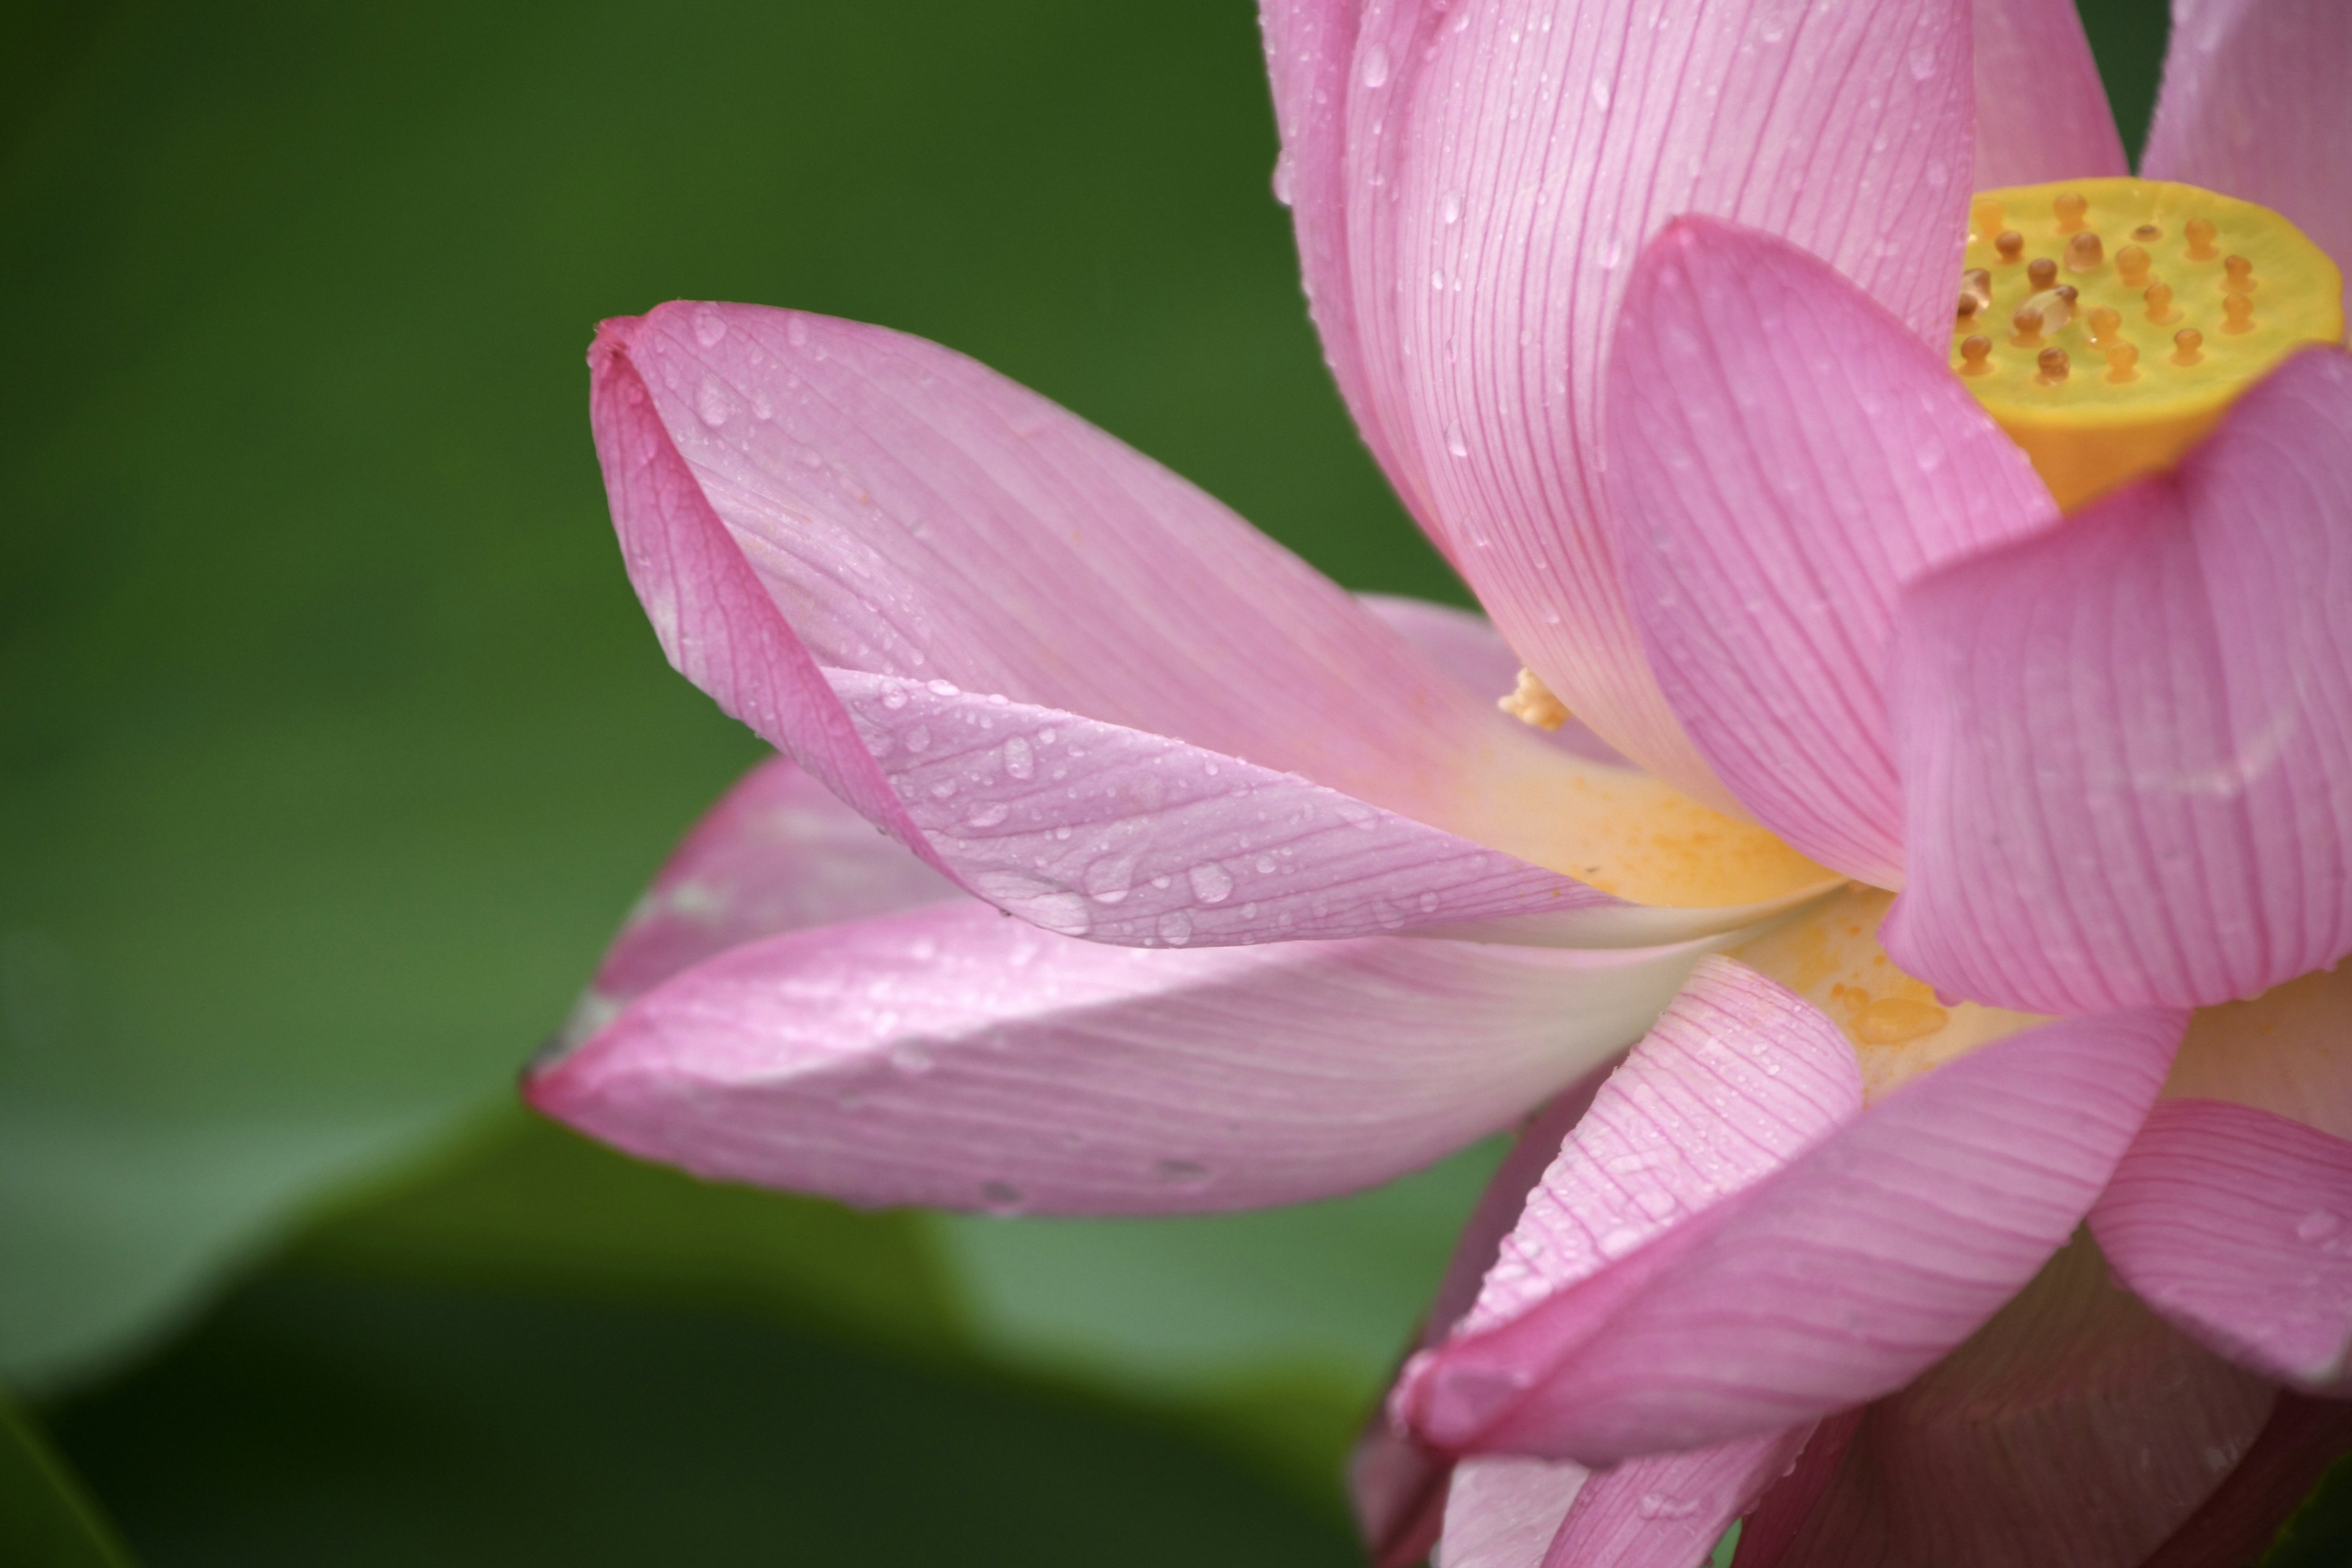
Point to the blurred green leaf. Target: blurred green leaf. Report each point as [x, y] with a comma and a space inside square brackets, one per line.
[319, 1420]
[46, 1519]
[331, 741]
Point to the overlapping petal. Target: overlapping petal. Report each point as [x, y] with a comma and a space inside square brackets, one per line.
[822, 517]
[1667, 1510]
[1830, 1281]
[2041, 110]
[1503, 1511]
[1784, 456]
[947, 1055]
[2236, 1225]
[1502, 167]
[2253, 104]
[2074, 1430]
[2126, 745]
[779, 852]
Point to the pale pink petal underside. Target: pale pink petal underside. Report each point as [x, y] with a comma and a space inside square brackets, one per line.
[1667, 1510]
[1829, 1282]
[2237, 1226]
[1466, 646]
[1503, 1510]
[2254, 106]
[2288, 1051]
[2041, 110]
[1784, 456]
[2074, 1430]
[1506, 164]
[779, 852]
[946, 1056]
[2126, 745]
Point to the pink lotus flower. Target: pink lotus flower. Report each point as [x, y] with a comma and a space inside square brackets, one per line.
[1648, 312]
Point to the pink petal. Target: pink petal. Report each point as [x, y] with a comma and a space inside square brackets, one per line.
[1828, 1282]
[1320, 101]
[2126, 745]
[1784, 456]
[2254, 106]
[945, 1056]
[904, 524]
[1669, 1510]
[1768, 1534]
[1503, 1510]
[2237, 1226]
[1736, 1078]
[2239, 1520]
[1399, 1484]
[778, 853]
[2041, 110]
[1501, 174]
[2074, 1430]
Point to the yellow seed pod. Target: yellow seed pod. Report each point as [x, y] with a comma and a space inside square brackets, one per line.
[2173, 264]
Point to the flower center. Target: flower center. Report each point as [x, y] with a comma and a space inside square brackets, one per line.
[2106, 323]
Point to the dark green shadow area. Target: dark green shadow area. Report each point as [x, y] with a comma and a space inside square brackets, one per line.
[2128, 37]
[47, 1518]
[321, 1421]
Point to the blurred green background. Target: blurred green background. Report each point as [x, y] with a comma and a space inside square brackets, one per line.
[332, 745]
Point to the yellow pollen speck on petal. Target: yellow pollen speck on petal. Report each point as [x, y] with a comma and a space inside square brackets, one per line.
[1898, 1027]
[2195, 263]
[1531, 702]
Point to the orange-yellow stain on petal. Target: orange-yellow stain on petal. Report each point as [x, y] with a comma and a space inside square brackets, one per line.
[1898, 1025]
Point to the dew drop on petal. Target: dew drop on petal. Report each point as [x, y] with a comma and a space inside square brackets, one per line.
[1212, 884]
[1019, 760]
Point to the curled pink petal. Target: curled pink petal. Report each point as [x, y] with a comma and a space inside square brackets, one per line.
[1506, 163]
[2126, 745]
[2241, 1519]
[1398, 1484]
[778, 853]
[946, 1056]
[1667, 1510]
[2041, 110]
[2074, 1430]
[903, 530]
[2236, 1225]
[2253, 105]
[1784, 456]
[1826, 1283]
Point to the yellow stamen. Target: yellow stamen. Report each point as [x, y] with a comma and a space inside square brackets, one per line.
[1531, 702]
[2088, 433]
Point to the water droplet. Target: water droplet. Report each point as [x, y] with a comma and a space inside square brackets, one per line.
[941, 688]
[1620, 1242]
[1600, 95]
[1455, 441]
[1212, 884]
[2317, 1225]
[894, 697]
[796, 331]
[1449, 207]
[1376, 67]
[1923, 62]
[918, 739]
[1175, 928]
[1002, 1197]
[1109, 878]
[987, 813]
[1658, 1505]
[1282, 178]
[1019, 760]
[1265, 865]
[712, 404]
[710, 327]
